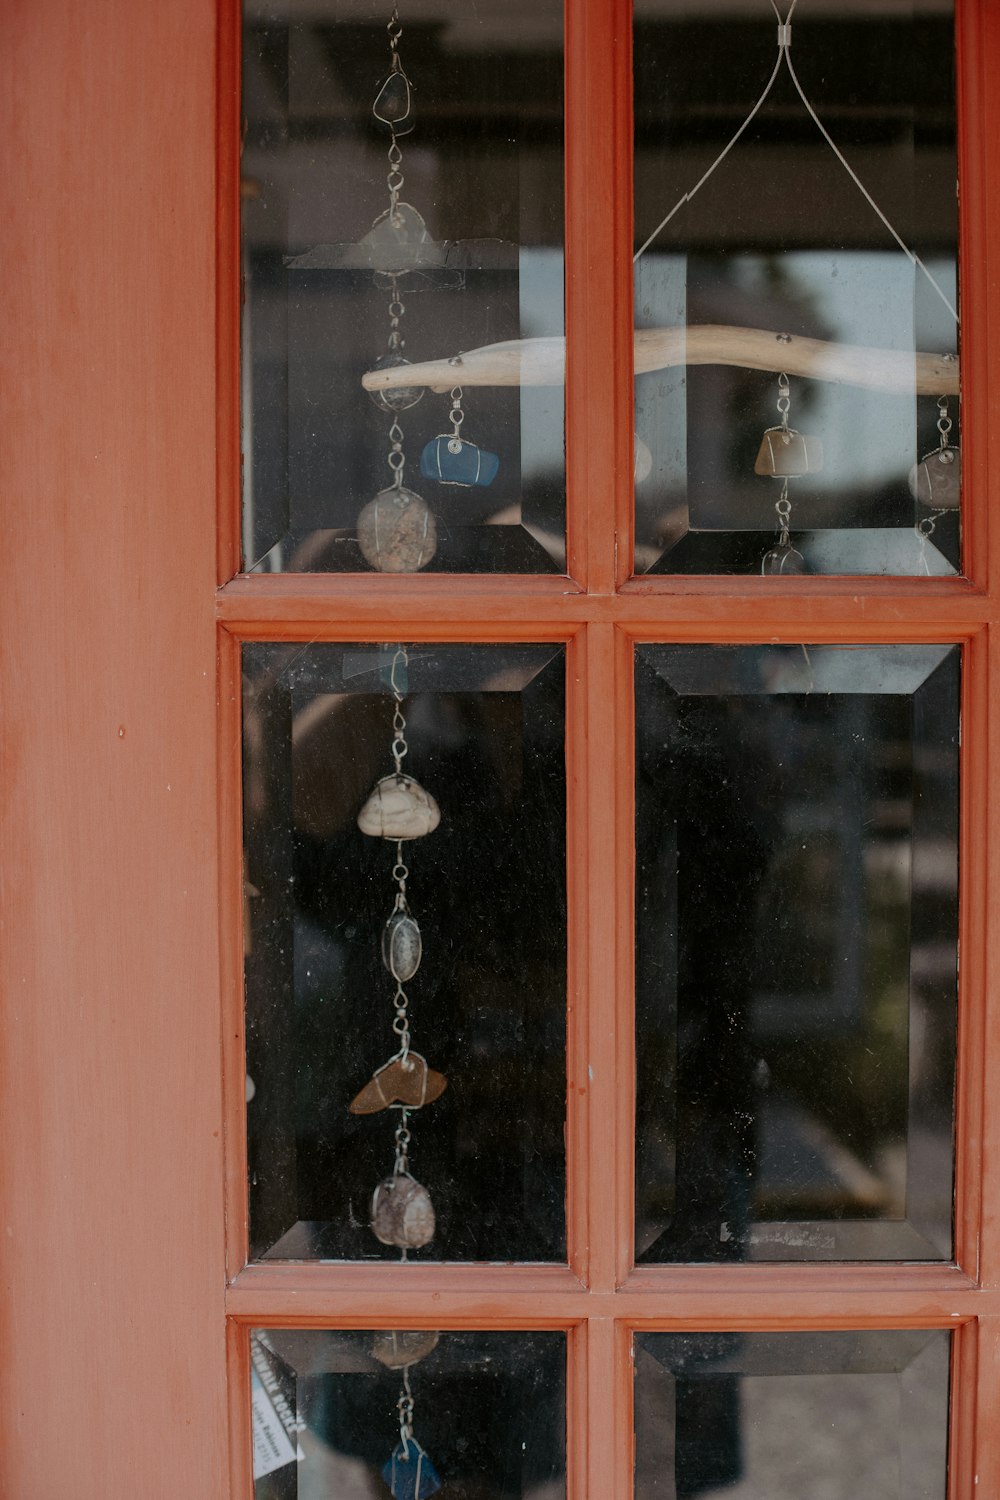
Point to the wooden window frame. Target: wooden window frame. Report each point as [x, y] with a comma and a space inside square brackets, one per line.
[127, 1294]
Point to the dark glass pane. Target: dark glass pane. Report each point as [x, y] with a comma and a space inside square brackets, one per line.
[792, 1416]
[779, 239]
[340, 276]
[797, 817]
[484, 737]
[488, 1414]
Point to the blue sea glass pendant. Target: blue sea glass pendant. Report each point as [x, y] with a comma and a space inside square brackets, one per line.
[409, 1473]
[451, 460]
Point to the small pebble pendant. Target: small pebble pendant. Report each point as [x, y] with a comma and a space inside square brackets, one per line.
[787, 454]
[402, 948]
[399, 808]
[402, 1212]
[393, 104]
[782, 559]
[398, 397]
[396, 531]
[936, 480]
[397, 1349]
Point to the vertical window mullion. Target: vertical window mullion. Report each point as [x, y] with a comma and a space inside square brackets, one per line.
[599, 291]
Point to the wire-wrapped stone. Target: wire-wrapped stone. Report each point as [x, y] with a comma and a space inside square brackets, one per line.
[402, 1212]
[393, 104]
[936, 481]
[399, 1348]
[402, 947]
[787, 454]
[399, 808]
[396, 531]
[397, 397]
[406, 1081]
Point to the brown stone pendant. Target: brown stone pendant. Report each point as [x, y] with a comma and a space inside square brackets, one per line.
[406, 1081]
[787, 454]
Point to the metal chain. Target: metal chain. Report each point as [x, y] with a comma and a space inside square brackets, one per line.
[397, 308]
[404, 1407]
[396, 458]
[402, 1163]
[456, 417]
[783, 507]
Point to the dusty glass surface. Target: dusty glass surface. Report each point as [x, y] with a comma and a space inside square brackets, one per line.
[487, 1422]
[778, 247]
[797, 828]
[792, 1416]
[352, 1013]
[346, 272]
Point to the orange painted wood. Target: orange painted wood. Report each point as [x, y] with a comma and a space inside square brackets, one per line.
[120, 812]
[977, 42]
[579, 976]
[599, 460]
[232, 933]
[551, 1296]
[603, 1079]
[962, 1424]
[292, 607]
[229, 289]
[113, 1345]
[623, 783]
[981, 1465]
[609, 1391]
[975, 966]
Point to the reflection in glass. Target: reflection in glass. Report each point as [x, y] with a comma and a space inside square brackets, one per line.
[797, 951]
[792, 1416]
[477, 1051]
[402, 205]
[374, 1413]
[776, 247]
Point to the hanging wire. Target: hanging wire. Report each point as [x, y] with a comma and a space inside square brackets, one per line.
[785, 56]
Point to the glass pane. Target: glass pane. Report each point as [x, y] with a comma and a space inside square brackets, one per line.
[781, 255]
[485, 1414]
[416, 985]
[402, 201]
[792, 1416]
[797, 829]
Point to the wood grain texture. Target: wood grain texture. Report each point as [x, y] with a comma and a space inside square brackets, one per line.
[113, 1337]
[542, 361]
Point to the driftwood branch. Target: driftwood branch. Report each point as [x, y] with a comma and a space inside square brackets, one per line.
[543, 361]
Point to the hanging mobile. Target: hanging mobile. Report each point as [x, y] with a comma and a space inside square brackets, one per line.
[399, 227]
[786, 454]
[451, 459]
[936, 480]
[400, 809]
[409, 1473]
[396, 531]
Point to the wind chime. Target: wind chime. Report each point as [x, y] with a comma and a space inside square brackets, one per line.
[396, 530]
[785, 454]
[399, 810]
[409, 1472]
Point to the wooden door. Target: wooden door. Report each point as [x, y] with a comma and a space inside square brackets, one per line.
[126, 1294]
